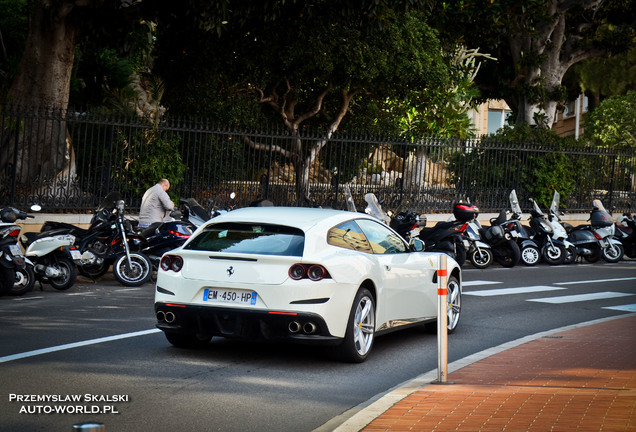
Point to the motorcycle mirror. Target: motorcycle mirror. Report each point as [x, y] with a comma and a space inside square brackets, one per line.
[176, 214]
[36, 207]
[416, 245]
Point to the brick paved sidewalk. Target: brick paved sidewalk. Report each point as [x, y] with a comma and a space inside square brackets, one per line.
[577, 380]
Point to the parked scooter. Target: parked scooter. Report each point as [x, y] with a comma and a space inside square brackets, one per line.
[530, 253]
[501, 236]
[53, 255]
[552, 250]
[626, 233]
[559, 232]
[16, 271]
[597, 239]
[478, 252]
[448, 237]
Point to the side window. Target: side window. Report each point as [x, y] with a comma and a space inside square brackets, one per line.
[382, 239]
[349, 235]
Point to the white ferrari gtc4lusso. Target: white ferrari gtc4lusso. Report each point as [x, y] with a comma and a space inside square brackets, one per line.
[300, 274]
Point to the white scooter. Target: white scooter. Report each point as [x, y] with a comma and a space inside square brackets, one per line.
[54, 257]
[558, 230]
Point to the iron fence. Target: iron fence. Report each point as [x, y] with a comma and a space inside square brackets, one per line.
[68, 161]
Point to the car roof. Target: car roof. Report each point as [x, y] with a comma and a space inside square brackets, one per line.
[299, 217]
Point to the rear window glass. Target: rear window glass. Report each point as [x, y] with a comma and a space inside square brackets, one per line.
[249, 238]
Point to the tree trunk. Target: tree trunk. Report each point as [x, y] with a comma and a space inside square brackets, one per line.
[40, 91]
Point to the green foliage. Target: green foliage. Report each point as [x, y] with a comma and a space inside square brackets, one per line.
[612, 124]
[530, 160]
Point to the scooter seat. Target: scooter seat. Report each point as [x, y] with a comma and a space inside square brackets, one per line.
[27, 238]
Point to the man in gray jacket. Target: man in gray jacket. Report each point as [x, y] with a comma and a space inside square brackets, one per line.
[155, 204]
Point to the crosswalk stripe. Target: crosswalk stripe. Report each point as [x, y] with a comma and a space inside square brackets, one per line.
[508, 291]
[580, 297]
[624, 308]
[479, 282]
[594, 281]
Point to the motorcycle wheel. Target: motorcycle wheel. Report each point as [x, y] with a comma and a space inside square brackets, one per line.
[24, 281]
[481, 258]
[137, 274]
[94, 271]
[460, 254]
[508, 254]
[613, 254]
[67, 280]
[594, 256]
[570, 255]
[553, 255]
[530, 255]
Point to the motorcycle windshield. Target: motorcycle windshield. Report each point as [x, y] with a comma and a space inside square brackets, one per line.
[554, 206]
[351, 206]
[196, 208]
[374, 208]
[599, 205]
[537, 208]
[110, 202]
[514, 203]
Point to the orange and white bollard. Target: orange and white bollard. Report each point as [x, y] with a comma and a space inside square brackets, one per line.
[442, 318]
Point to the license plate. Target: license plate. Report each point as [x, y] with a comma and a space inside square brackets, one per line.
[15, 250]
[76, 255]
[229, 296]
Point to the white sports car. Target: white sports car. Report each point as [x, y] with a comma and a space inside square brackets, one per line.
[300, 274]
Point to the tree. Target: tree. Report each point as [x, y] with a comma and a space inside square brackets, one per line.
[536, 42]
[311, 63]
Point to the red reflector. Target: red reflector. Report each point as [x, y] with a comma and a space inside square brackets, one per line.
[442, 272]
[178, 234]
[282, 313]
[15, 233]
[442, 291]
[175, 305]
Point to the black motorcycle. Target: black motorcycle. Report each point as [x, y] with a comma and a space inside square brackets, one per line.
[448, 236]
[626, 233]
[501, 236]
[109, 240]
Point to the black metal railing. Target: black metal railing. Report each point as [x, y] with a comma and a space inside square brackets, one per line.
[68, 161]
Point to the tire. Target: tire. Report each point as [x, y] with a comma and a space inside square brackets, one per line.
[360, 333]
[613, 253]
[553, 254]
[530, 255]
[508, 254]
[570, 255]
[138, 274]
[187, 340]
[94, 271]
[24, 281]
[460, 254]
[595, 255]
[481, 258]
[453, 307]
[67, 280]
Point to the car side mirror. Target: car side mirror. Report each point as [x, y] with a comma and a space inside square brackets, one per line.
[416, 245]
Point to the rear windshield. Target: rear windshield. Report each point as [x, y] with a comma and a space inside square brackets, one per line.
[249, 238]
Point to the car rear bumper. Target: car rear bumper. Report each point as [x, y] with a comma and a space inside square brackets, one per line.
[246, 324]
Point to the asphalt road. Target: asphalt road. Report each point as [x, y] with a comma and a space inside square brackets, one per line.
[92, 354]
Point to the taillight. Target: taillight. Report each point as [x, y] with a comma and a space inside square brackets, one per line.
[171, 262]
[15, 233]
[178, 234]
[598, 237]
[315, 272]
[461, 228]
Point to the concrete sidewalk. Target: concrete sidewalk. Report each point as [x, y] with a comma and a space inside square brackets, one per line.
[579, 378]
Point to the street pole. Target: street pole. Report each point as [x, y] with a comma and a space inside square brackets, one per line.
[442, 319]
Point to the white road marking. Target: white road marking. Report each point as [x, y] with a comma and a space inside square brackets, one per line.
[624, 308]
[594, 281]
[580, 297]
[508, 291]
[75, 345]
[478, 282]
